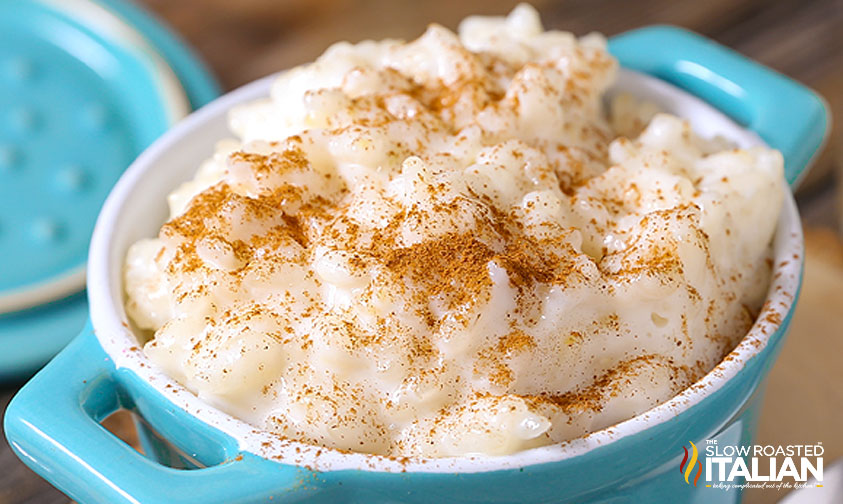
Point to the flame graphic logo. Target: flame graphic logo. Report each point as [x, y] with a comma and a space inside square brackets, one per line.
[687, 470]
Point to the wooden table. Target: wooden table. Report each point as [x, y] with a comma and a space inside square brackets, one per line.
[245, 39]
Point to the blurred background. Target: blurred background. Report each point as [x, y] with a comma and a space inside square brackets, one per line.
[246, 39]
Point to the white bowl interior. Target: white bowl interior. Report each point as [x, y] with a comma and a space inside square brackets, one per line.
[137, 207]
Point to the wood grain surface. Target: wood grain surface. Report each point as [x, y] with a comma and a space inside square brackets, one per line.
[245, 39]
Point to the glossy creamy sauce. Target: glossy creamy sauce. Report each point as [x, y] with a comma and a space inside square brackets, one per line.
[443, 247]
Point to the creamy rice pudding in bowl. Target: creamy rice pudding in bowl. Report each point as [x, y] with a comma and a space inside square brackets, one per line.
[484, 267]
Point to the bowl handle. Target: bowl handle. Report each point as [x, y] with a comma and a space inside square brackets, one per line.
[787, 115]
[53, 425]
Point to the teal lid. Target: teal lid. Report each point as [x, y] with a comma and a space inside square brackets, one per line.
[85, 86]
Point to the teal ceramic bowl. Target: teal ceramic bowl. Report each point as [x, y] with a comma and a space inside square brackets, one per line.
[53, 423]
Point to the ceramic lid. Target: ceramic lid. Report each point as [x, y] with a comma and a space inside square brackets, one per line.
[85, 86]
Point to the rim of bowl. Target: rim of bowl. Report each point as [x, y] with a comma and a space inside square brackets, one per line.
[113, 331]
